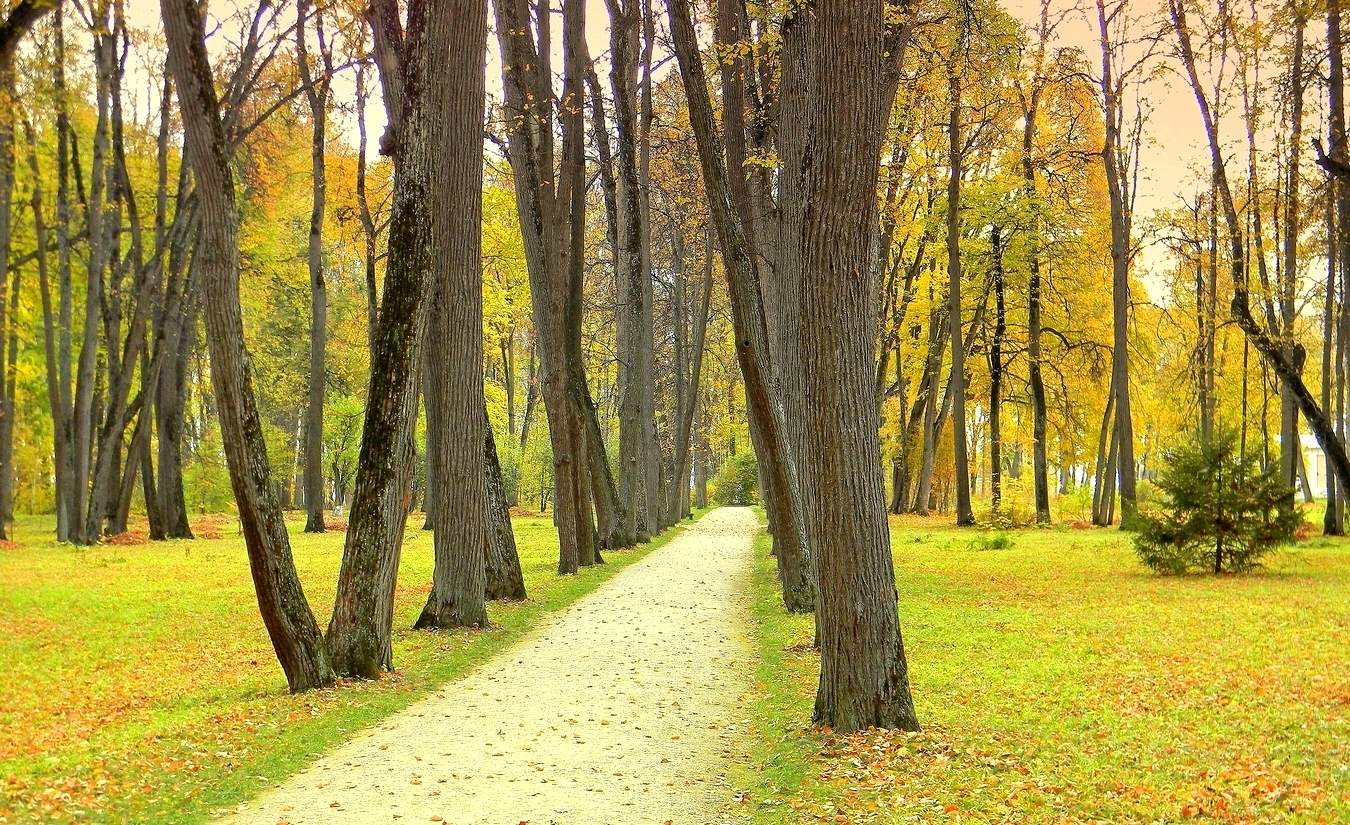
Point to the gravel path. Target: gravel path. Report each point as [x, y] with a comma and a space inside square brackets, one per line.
[621, 709]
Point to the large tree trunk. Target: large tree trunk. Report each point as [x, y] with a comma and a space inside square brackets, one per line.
[290, 624]
[420, 96]
[634, 295]
[864, 680]
[455, 404]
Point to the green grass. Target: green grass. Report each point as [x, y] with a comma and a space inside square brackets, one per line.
[139, 684]
[1058, 681]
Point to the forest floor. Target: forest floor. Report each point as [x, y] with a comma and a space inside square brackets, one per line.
[139, 685]
[1059, 681]
[620, 710]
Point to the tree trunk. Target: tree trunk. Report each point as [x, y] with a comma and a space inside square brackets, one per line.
[316, 90]
[996, 373]
[455, 403]
[505, 582]
[1112, 157]
[767, 425]
[864, 679]
[290, 624]
[420, 95]
[965, 516]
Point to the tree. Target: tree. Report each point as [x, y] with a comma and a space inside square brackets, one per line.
[1117, 157]
[1221, 511]
[426, 103]
[290, 623]
[316, 92]
[965, 516]
[864, 679]
[454, 338]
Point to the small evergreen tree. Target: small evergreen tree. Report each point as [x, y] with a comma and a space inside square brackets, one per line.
[1219, 511]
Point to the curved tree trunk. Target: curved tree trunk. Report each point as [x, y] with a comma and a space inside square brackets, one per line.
[290, 624]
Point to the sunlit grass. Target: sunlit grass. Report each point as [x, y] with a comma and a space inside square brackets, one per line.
[139, 684]
[1057, 680]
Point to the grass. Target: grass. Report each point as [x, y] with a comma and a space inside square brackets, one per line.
[140, 686]
[1058, 681]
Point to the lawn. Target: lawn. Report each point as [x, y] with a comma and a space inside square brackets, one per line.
[139, 683]
[1058, 681]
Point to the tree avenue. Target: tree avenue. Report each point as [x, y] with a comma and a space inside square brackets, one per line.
[447, 262]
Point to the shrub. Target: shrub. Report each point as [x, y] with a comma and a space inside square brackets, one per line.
[996, 540]
[1218, 510]
[737, 480]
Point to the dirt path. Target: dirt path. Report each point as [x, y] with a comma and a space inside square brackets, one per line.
[619, 710]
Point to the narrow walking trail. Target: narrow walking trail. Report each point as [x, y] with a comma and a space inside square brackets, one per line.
[618, 710]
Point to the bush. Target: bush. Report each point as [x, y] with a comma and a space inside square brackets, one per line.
[1218, 510]
[737, 480]
[994, 540]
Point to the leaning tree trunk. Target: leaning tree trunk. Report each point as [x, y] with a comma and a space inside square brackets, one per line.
[864, 680]
[767, 426]
[290, 624]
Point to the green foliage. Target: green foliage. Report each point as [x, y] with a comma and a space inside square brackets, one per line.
[737, 480]
[993, 540]
[1218, 511]
[536, 468]
[206, 479]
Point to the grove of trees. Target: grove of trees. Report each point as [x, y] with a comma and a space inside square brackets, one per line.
[451, 256]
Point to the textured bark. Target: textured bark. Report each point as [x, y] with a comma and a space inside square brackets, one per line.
[864, 680]
[766, 415]
[635, 345]
[290, 624]
[964, 514]
[454, 343]
[417, 67]
[552, 213]
[505, 582]
[316, 91]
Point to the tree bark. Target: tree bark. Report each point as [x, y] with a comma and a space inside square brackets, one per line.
[316, 91]
[290, 624]
[428, 105]
[864, 678]
[767, 425]
[1120, 272]
[965, 516]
